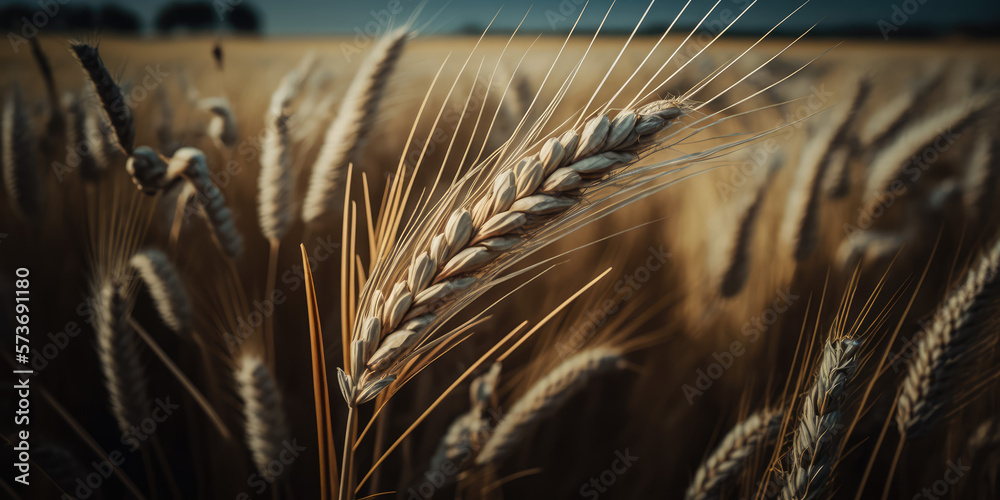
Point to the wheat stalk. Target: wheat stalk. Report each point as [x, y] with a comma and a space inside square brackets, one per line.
[266, 428]
[544, 398]
[109, 93]
[523, 197]
[730, 457]
[349, 131]
[165, 122]
[814, 445]
[165, 286]
[17, 141]
[944, 351]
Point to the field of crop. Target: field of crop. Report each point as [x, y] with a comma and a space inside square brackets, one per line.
[451, 267]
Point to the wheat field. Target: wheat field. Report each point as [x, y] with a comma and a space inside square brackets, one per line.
[525, 267]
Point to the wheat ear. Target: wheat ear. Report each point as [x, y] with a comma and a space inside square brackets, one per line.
[109, 93]
[893, 114]
[745, 440]
[838, 172]
[222, 127]
[192, 163]
[56, 125]
[20, 174]
[945, 350]
[527, 195]
[82, 127]
[814, 444]
[165, 286]
[800, 223]
[734, 277]
[470, 429]
[868, 247]
[347, 134]
[266, 428]
[151, 172]
[889, 164]
[276, 183]
[979, 182]
[118, 348]
[544, 398]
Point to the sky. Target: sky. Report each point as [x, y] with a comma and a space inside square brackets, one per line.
[309, 17]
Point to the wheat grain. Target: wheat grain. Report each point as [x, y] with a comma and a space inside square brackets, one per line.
[944, 352]
[112, 99]
[544, 398]
[165, 286]
[17, 141]
[524, 196]
[349, 131]
[814, 443]
[730, 457]
[266, 427]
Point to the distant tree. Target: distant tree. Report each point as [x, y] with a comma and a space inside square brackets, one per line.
[118, 19]
[244, 19]
[75, 18]
[191, 16]
[11, 17]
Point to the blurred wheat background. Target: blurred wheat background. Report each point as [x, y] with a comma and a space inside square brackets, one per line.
[808, 313]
